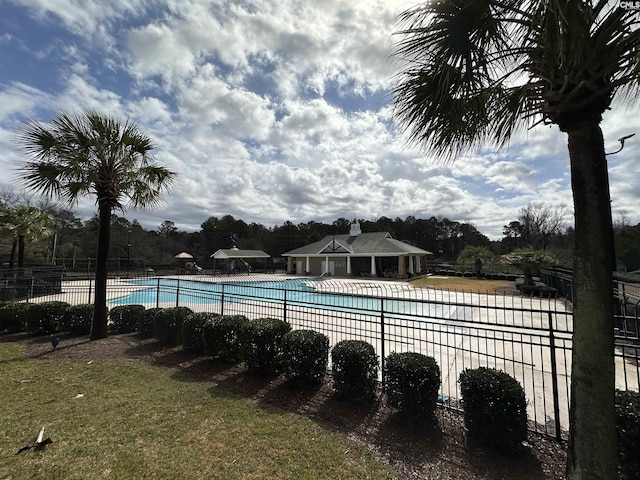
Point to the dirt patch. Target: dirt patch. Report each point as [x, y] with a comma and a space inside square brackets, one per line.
[439, 452]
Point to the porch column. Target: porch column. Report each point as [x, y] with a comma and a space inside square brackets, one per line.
[419, 260]
[349, 265]
[411, 271]
[289, 264]
[402, 269]
[373, 266]
[307, 269]
[326, 265]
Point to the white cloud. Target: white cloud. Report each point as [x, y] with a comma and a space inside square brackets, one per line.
[271, 111]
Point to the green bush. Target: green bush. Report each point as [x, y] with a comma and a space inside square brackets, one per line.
[305, 355]
[147, 322]
[13, 316]
[223, 337]
[167, 328]
[412, 381]
[78, 319]
[262, 343]
[355, 370]
[125, 318]
[193, 331]
[495, 409]
[46, 318]
[628, 432]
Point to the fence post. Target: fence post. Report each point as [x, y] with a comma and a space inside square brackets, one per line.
[382, 349]
[89, 299]
[178, 292]
[222, 301]
[158, 294]
[30, 289]
[554, 379]
[284, 305]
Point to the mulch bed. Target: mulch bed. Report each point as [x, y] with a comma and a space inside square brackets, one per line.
[439, 452]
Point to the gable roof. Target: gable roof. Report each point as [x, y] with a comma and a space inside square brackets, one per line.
[365, 244]
[227, 253]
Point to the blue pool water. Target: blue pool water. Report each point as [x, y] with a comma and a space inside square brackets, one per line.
[299, 292]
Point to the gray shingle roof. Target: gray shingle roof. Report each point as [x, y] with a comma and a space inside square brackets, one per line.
[225, 253]
[365, 244]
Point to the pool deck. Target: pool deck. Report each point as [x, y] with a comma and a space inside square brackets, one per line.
[481, 335]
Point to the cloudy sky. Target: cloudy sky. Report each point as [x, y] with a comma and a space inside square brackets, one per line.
[272, 111]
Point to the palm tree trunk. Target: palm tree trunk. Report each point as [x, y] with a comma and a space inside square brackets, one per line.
[99, 323]
[592, 436]
[12, 258]
[20, 251]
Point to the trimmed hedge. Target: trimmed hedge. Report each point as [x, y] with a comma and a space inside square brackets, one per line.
[262, 345]
[147, 322]
[355, 370]
[412, 381]
[14, 315]
[223, 337]
[193, 331]
[628, 432]
[125, 318]
[167, 329]
[46, 318]
[78, 319]
[495, 409]
[305, 356]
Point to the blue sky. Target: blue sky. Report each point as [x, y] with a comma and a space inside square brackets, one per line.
[272, 111]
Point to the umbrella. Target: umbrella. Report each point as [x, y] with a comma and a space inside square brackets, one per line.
[183, 255]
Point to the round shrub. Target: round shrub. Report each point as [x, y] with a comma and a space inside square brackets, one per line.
[193, 331]
[13, 316]
[495, 409]
[125, 318]
[262, 344]
[78, 319]
[355, 370]
[305, 355]
[46, 317]
[167, 329]
[412, 381]
[223, 337]
[147, 321]
[628, 432]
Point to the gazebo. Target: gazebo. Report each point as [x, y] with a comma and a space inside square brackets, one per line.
[232, 255]
[186, 263]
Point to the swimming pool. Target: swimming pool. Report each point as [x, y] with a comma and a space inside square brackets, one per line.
[295, 292]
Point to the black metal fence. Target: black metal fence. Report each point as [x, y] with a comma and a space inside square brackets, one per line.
[529, 338]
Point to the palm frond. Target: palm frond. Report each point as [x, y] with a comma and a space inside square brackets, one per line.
[475, 71]
[91, 153]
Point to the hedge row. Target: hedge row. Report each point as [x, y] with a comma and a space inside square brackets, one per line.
[494, 402]
[45, 318]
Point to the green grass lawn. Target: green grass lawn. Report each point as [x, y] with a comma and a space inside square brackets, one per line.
[464, 284]
[137, 421]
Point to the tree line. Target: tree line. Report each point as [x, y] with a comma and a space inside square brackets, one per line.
[538, 225]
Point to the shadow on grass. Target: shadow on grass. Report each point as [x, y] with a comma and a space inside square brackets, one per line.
[413, 450]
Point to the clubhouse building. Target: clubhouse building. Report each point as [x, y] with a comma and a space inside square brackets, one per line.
[375, 254]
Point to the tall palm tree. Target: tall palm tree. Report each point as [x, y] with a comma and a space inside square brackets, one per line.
[476, 71]
[93, 154]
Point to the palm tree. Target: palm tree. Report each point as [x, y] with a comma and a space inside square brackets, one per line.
[476, 255]
[476, 71]
[26, 223]
[93, 154]
[23, 223]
